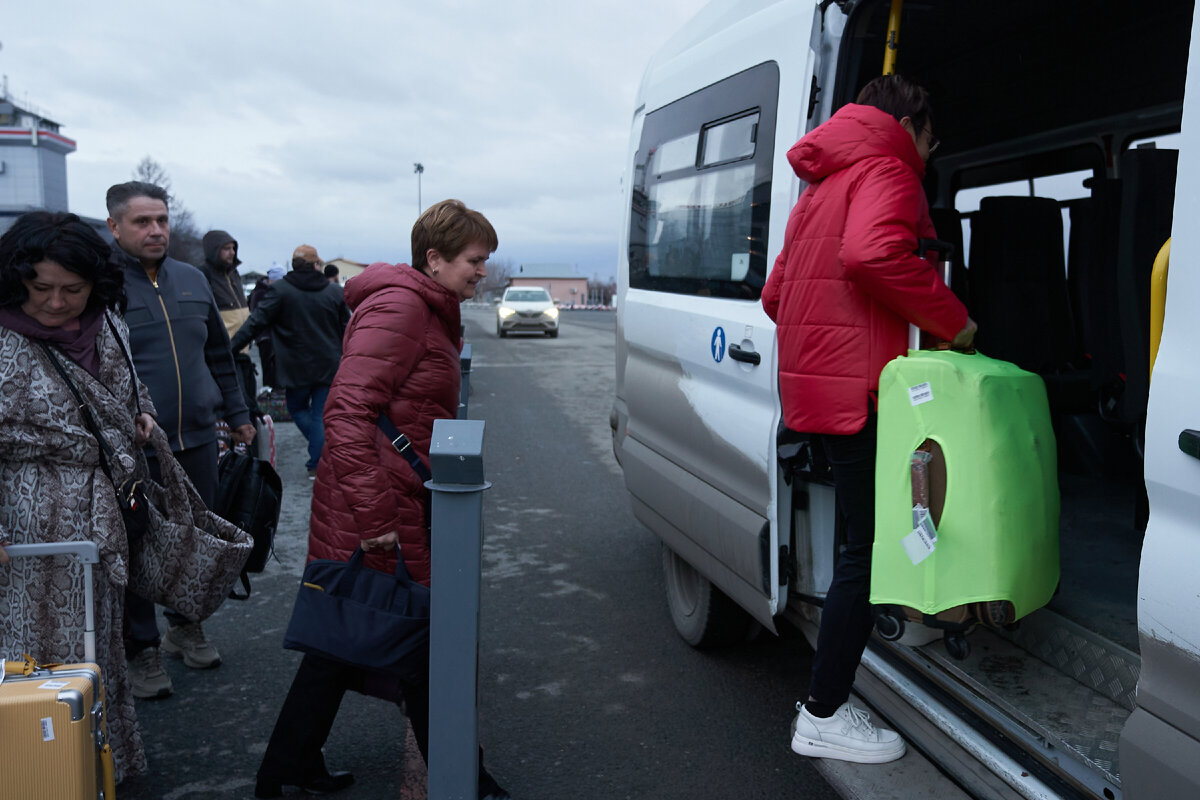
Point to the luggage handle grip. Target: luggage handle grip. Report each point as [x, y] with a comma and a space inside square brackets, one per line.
[88, 553]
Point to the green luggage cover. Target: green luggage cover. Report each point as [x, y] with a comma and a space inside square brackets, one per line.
[998, 534]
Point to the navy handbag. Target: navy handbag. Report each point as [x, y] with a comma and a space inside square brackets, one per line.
[348, 613]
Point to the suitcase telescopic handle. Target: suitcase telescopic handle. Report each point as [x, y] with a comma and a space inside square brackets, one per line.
[88, 554]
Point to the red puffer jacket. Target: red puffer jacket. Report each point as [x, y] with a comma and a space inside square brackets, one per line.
[400, 356]
[848, 281]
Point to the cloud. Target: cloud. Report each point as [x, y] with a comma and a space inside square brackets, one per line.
[290, 121]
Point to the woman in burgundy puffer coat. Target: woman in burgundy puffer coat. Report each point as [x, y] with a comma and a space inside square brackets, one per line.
[400, 358]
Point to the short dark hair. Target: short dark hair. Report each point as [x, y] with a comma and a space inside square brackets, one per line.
[449, 227]
[331, 271]
[119, 195]
[66, 240]
[899, 97]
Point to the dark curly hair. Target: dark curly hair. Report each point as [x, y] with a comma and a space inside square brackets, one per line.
[66, 240]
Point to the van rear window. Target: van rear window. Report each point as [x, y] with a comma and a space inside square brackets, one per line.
[702, 189]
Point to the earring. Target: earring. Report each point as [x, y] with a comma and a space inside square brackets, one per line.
[435, 270]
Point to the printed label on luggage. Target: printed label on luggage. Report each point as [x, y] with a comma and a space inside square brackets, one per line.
[47, 729]
[924, 522]
[921, 393]
[54, 686]
[918, 545]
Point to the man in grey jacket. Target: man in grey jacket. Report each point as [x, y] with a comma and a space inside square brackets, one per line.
[181, 352]
[307, 317]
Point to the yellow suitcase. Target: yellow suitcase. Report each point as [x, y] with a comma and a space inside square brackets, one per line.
[53, 736]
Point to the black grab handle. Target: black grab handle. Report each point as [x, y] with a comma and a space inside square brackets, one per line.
[1189, 442]
[745, 356]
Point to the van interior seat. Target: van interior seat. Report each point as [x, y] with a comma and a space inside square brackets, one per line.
[1018, 295]
[1093, 287]
[1147, 205]
[948, 223]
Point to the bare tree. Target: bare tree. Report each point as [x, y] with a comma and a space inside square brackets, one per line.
[499, 273]
[185, 236]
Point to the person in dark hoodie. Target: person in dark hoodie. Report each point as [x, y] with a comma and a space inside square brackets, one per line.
[181, 352]
[220, 267]
[307, 316]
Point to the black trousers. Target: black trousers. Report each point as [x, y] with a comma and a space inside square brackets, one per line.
[294, 750]
[846, 618]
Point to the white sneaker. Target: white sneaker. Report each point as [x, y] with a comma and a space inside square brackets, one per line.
[847, 735]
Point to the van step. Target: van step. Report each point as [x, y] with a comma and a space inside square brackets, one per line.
[1070, 726]
[1087, 657]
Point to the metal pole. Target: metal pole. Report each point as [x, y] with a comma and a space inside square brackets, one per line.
[464, 392]
[419, 168]
[893, 37]
[456, 462]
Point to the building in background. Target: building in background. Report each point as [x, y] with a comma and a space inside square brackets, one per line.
[33, 163]
[563, 281]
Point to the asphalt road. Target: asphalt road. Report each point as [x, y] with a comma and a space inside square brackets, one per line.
[585, 689]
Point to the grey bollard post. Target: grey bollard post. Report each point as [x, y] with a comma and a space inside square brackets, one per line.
[456, 463]
[464, 392]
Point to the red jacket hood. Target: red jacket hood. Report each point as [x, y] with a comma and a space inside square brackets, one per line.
[382, 276]
[855, 132]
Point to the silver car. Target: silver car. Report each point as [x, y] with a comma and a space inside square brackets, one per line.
[526, 308]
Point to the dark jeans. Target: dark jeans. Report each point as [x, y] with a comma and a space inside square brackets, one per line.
[266, 354]
[141, 629]
[306, 404]
[846, 619]
[294, 750]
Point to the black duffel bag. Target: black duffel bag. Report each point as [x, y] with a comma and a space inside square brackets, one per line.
[250, 494]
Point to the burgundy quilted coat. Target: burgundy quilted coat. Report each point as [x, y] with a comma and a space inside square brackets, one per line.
[848, 282]
[400, 355]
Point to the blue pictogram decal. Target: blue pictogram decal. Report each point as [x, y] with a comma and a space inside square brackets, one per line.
[718, 344]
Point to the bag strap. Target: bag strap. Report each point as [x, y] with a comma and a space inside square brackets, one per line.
[133, 381]
[85, 410]
[404, 447]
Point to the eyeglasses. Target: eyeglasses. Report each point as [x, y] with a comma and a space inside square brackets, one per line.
[934, 142]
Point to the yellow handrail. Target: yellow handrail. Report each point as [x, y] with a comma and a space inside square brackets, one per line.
[1158, 299]
[893, 38]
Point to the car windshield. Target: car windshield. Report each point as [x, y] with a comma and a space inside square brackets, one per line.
[528, 296]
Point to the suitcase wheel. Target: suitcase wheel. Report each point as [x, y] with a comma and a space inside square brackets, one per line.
[889, 626]
[957, 645]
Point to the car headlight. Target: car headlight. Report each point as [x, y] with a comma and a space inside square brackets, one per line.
[505, 312]
[552, 313]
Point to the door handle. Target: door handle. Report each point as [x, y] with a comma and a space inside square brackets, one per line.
[745, 356]
[1189, 441]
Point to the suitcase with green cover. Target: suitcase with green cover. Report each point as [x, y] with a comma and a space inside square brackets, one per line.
[966, 495]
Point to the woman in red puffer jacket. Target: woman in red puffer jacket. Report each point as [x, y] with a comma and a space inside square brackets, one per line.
[400, 358]
[842, 293]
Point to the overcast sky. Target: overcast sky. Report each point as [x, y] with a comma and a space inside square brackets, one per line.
[299, 122]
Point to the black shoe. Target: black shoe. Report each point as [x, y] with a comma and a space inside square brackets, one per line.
[322, 784]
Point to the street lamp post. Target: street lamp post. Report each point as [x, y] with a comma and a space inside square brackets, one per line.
[419, 168]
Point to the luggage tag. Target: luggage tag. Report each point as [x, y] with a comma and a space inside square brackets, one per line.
[920, 544]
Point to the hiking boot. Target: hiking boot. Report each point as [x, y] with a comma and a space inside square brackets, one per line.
[147, 677]
[847, 735]
[188, 641]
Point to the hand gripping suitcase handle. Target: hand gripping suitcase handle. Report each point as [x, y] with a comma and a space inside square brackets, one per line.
[88, 554]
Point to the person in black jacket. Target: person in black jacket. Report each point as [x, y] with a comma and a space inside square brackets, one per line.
[307, 317]
[181, 352]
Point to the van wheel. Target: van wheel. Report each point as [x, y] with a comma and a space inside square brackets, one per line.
[703, 615]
